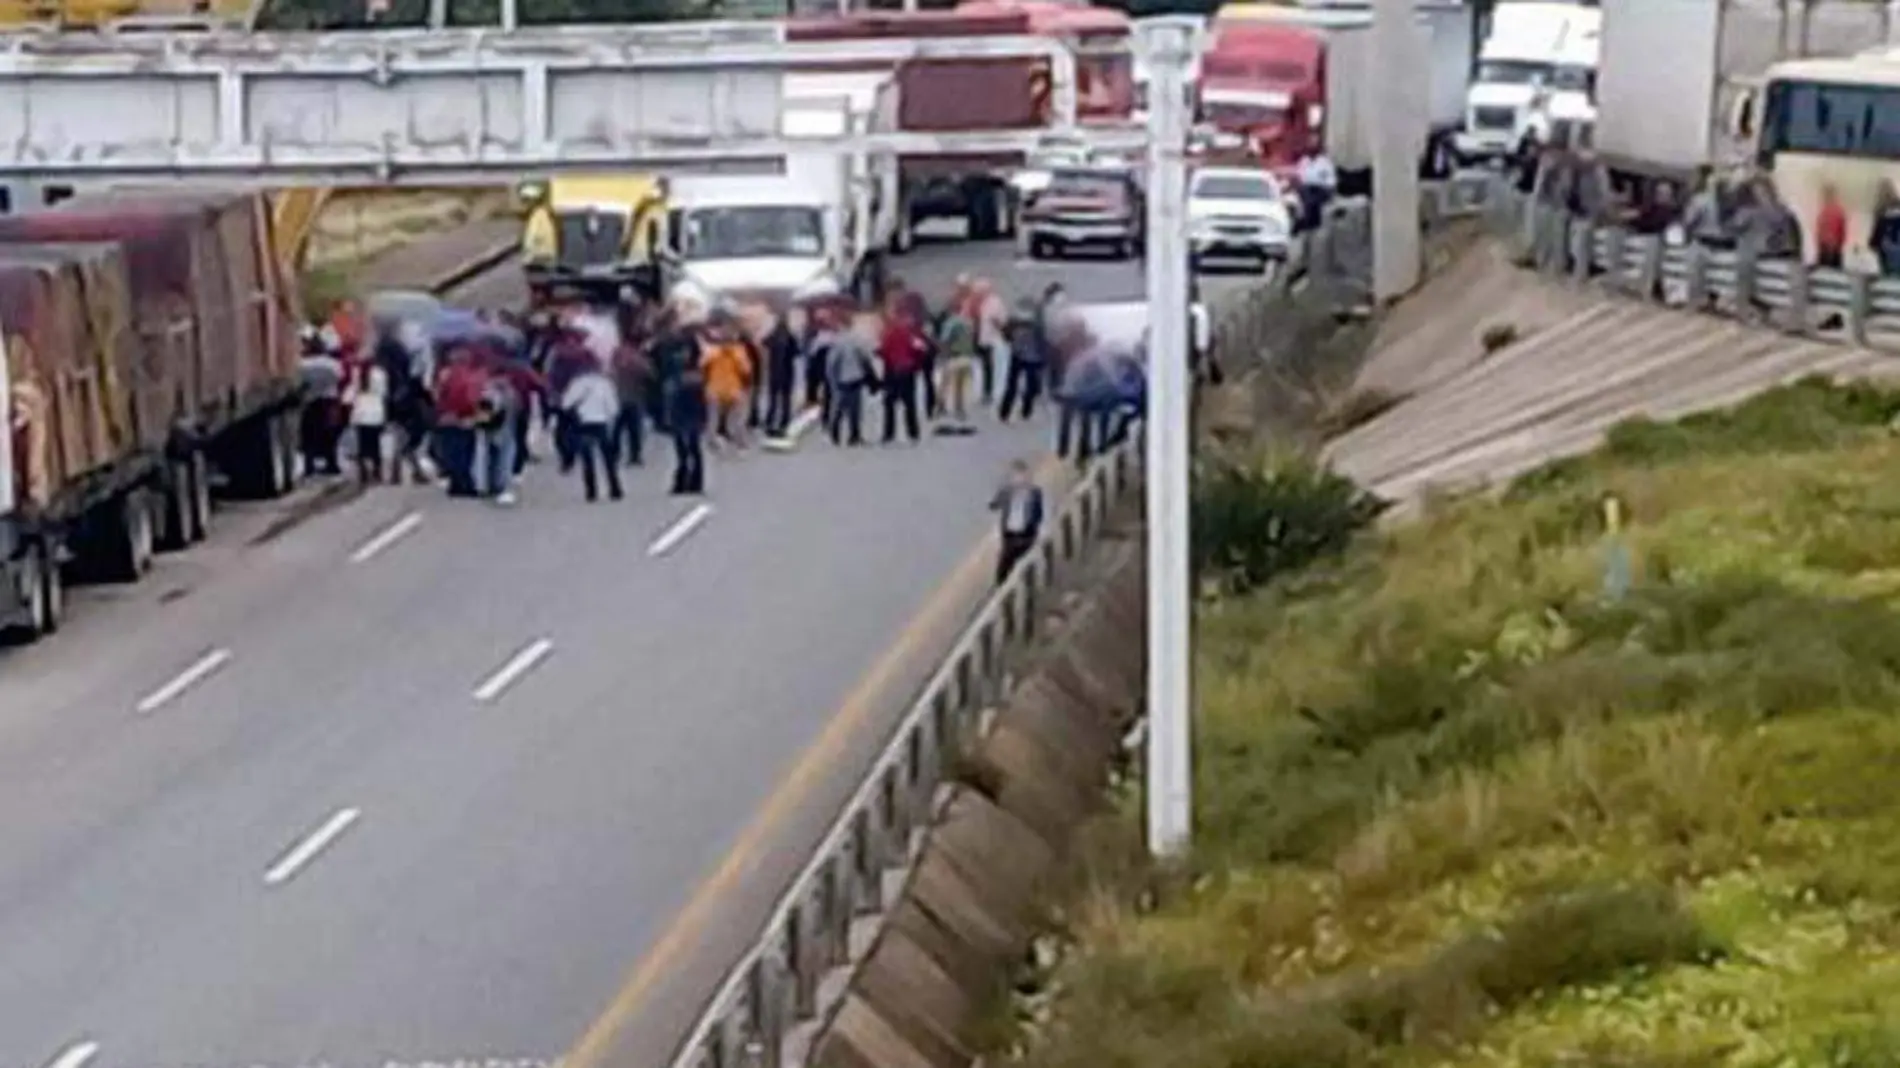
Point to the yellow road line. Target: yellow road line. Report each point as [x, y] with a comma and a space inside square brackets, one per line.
[792, 793]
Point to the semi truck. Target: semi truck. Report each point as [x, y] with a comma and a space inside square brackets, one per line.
[1282, 78]
[1537, 71]
[941, 95]
[151, 358]
[1678, 81]
[596, 234]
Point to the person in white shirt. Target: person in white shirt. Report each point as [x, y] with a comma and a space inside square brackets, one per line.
[368, 400]
[992, 340]
[593, 403]
[1319, 180]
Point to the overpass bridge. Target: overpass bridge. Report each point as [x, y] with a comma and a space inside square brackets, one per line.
[433, 107]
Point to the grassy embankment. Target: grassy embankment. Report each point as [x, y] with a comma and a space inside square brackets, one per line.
[1467, 797]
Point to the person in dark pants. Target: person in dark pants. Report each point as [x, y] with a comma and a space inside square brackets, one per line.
[1025, 368]
[633, 380]
[817, 363]
[593, 404]
[320, 423]
[850, 371]
[902, 349]
[686, 408]
[1018, 505]
[782, 352]
[459, 392]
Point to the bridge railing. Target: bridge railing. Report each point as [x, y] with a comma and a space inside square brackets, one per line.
[781, 994]
[1855, 306]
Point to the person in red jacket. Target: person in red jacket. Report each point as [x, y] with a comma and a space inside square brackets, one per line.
[1830, 230]
[458, 403]
[902, 349]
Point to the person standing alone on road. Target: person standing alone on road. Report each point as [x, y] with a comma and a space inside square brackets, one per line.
[593, 404]
[1018, 505]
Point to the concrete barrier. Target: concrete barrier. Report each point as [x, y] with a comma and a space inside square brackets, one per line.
[973, 900]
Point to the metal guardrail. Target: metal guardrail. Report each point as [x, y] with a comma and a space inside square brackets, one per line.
[1784, 293]
[781, 995]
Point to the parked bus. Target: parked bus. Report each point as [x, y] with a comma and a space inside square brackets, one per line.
[1830, 122]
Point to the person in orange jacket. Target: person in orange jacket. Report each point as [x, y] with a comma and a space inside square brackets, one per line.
[727, 363]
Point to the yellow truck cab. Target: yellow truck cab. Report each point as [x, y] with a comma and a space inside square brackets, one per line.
[595, 232]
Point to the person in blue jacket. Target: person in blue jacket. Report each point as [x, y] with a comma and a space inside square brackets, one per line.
[1018, 508]
[1129, 372]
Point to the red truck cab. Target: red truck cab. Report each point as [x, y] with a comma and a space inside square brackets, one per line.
[1263, 82]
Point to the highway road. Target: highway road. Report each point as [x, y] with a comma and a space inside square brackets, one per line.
[420, 781]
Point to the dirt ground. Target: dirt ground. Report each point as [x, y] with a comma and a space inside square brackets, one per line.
[359, 225]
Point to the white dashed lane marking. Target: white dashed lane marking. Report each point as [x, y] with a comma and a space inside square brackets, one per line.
[200, 669]
[390, 535]
[306, 850]
[681, 529]
[518, 665]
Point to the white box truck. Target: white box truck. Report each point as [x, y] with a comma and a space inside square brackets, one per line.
[824, 224]
[1676, 76]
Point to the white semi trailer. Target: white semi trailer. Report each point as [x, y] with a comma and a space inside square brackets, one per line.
[1677, 80]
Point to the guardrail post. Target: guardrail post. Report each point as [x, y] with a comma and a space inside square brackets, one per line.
[803, 962]
[1649, 270]
[1800, 296]
[834, 892]
[1860, 305]
[1747, 281]
[1550, 240]
[867, 873]
[1695, 277]
[1615, 242]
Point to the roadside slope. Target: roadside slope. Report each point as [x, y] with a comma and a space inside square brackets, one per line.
[1496, 790]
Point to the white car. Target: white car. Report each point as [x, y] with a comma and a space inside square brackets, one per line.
[1239, 214]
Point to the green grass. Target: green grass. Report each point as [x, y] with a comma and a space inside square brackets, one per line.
[1462, 802]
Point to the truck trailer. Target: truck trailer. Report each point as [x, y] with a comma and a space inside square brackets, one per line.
[152, 355]
[1677, 80]
[939, 95]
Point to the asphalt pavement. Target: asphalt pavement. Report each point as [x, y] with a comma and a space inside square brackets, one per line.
[421, 781]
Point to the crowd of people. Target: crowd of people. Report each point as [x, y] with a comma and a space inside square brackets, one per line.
[459, 398]
[1739, 212]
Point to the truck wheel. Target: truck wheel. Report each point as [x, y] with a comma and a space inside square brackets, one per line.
[283, 441]
[981, 218]
[125, 550]
[174, 530]
[906, 236]
[260, 466]
[41, 595]
[198, 498]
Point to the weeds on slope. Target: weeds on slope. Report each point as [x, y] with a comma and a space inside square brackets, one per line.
[1457, 805]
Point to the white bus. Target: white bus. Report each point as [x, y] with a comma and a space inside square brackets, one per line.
[1829, 122]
